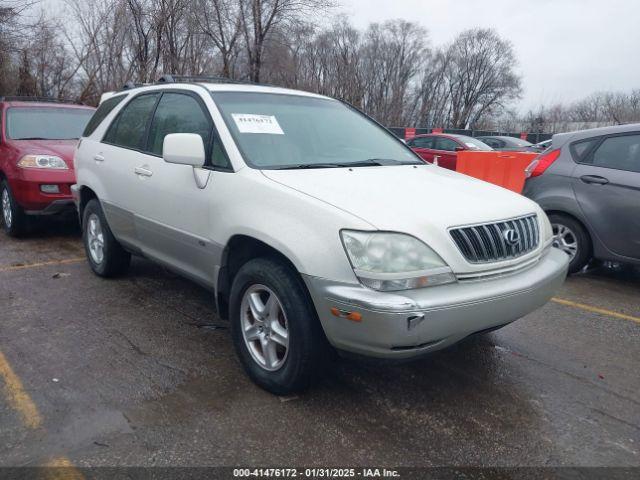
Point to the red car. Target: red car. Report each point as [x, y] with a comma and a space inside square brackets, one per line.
[445, 147]
[37, 141]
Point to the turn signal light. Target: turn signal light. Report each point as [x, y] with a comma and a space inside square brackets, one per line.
[353, 316]
[541, 163]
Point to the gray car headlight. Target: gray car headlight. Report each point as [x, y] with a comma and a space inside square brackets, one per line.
[388, 261]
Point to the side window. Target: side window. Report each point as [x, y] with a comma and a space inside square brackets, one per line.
[580, 150]
[178, 113]
[621, 153]
[446, 144]
[489, 141]
[130, 127]
[99, 115]
[423, 142]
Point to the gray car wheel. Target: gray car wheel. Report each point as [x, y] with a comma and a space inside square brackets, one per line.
[572, 238]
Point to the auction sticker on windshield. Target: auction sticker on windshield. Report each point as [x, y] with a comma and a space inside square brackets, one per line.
[251, 123]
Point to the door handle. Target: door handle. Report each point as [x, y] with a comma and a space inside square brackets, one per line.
[594, 179]
[143, 171]
[98, 158]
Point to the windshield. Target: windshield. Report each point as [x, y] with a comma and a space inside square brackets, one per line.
[519, 142]
[275, 131]
[46, 123]
[472, 143]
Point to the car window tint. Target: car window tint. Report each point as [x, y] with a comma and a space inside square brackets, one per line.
[423, 142]
[447, 144]
[621, 152]
[580, 150]
[178, 113]
[218, 156]
[129, 128]
[103, 110]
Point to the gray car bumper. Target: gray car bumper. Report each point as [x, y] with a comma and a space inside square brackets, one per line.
[411, 323]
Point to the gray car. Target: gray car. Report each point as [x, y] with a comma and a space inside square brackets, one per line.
[506, 144]
[588, 182]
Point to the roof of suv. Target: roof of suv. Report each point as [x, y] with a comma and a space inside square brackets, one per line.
[215, 87]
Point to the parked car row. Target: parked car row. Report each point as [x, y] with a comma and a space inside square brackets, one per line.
[306, 219]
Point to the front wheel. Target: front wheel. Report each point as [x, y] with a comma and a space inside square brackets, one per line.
[571, 237]
[106, 256]
[275, 330]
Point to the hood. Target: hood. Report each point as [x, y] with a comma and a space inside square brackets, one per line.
[61, 148]
[423, 201]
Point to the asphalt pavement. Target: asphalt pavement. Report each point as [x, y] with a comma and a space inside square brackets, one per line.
[139, 371]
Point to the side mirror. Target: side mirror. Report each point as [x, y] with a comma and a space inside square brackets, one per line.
[459, 149]
[183, 149]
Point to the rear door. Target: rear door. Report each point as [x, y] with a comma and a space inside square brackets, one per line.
[607, 187]
[116, 159]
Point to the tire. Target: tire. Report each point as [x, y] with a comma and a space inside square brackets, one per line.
[575, 240]
[14, 220]
[97, 237]
[295, 365]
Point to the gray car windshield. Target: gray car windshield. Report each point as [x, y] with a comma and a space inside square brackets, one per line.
[275, 131]
[46, 123]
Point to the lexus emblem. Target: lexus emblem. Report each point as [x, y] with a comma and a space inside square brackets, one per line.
[511, 236]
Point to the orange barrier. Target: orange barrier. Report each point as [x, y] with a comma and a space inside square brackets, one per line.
[500, 168]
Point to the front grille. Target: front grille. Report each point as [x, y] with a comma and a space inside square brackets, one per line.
[491, 242]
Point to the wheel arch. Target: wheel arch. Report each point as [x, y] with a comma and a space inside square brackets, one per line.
[86, 195]
[592, 238]
[239, 250]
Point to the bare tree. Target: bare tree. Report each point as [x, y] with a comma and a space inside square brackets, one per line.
[260, 17]
[480, 75]
[220, 21]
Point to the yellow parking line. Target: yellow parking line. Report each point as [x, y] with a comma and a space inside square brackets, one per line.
[17, 397]
[601, 311]
[42, 264]
[61, 468]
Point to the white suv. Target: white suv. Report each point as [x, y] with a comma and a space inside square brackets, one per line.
[314, 227]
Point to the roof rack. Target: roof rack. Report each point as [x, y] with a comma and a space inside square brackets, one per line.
[195, 78]
[167, 78]
[25, 98]
[129, 85]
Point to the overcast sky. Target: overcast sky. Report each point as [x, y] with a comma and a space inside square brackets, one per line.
[567, 49]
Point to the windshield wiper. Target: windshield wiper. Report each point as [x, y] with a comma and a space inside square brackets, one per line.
[370, 162]
[32, 138]
[302, 166]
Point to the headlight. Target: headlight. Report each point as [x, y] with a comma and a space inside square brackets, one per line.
[394, 261]
[42, 161]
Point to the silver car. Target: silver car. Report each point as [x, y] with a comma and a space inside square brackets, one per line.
[309, 222]
[588, 183]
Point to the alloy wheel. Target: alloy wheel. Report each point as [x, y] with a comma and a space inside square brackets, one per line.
[95, 239]
[264, 327]
[6, 208]
[565, 239]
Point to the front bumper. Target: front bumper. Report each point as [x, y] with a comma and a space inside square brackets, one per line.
[411, 323]
[26, 188]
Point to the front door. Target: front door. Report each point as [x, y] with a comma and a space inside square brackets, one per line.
[174, 220]
[607, 187]
[423, 146]
[445, 149]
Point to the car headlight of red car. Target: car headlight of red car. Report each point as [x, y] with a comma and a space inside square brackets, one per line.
[43, 161]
